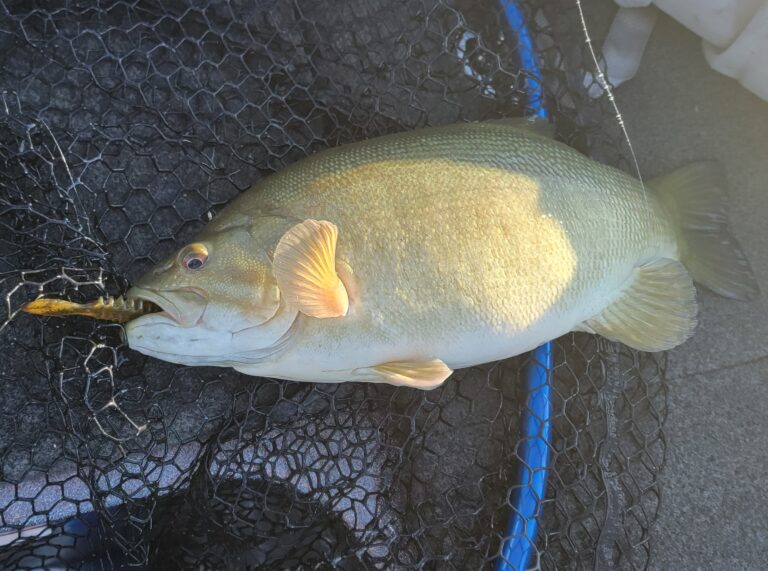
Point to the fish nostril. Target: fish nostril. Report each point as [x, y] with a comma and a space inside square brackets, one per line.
[166, 266]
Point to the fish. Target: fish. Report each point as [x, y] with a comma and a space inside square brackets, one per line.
[402, 258]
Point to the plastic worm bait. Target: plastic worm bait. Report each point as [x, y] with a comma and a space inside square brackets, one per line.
[117, 309]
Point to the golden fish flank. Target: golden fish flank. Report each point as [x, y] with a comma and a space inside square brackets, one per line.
[401, 258]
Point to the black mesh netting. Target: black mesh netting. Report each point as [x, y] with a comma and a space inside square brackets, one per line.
[123, 127]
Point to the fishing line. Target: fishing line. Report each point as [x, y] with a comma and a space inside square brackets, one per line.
[607, 88]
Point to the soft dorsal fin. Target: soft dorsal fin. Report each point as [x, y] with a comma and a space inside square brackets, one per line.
[305, 269]
[423, 375]
[656, 312]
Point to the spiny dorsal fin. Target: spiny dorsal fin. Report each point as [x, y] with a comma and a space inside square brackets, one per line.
[655, 313]
[305, 269]
[534, 125]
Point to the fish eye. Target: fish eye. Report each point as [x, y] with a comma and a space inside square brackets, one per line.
[194, 257]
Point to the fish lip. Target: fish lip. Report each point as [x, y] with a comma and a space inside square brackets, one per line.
[170, 309]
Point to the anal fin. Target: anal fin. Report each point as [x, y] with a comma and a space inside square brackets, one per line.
[423, 375]
[656, 312]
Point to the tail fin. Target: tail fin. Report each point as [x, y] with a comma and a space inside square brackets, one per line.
[694, 197]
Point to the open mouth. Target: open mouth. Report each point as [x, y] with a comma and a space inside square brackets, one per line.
[140, 306]
[153, 302]
[185, 306]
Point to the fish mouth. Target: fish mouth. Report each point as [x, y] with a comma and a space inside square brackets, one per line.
[182, 306]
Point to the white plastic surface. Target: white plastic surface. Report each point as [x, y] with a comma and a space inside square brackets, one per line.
[718, 22]
[746, 59]
[626, 41]
[734, 34]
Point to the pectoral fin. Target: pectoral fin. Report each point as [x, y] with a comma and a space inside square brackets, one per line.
[656, 312]
[305, 269]
[423, 375]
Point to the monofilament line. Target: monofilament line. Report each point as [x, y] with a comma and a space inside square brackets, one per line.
[607, 88]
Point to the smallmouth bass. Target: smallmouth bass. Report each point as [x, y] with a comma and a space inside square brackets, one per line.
[402, 258]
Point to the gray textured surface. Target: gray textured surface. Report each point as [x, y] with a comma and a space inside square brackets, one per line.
[714, 513]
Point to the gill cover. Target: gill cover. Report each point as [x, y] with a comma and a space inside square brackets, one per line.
[220, 302]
